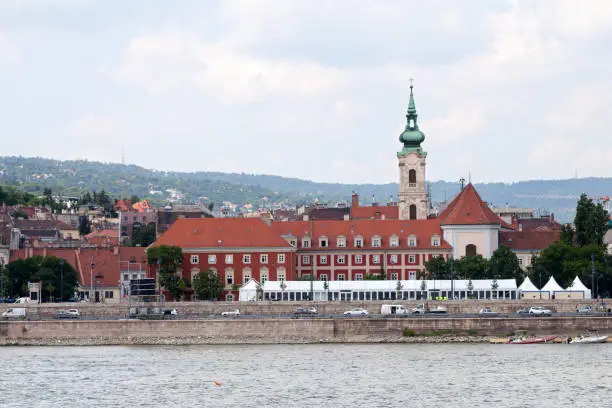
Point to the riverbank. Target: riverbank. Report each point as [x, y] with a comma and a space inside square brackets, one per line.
[188, 341]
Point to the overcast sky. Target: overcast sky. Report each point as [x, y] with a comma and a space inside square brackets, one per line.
[505, 90]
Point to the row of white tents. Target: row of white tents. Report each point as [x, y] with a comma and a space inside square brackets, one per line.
[409, 290]
[552, 290]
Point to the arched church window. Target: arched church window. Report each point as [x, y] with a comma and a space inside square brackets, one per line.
[412, 177]
[413, 212]
[470, 250]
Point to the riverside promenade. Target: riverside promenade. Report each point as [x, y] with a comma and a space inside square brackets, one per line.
[260, 324]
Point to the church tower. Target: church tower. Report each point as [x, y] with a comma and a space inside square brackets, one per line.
[413, 201]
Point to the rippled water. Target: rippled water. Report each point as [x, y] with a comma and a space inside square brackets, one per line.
[409, 375]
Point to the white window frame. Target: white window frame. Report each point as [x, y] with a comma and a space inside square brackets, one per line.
[358, 242]
[394, 276]
[341, 242]
[341, 277]
[305, 259]
[376, 259]
[263, 258]
[359, 276]
[229, 259]
[212, 259]
[305, 242]
[376, 242]
[359, 259]
[412, 242]
[520, 261]
[323, 240]
[292, 242]
[229, 275]
[411, 259]
[246, 258]
[435, 241]
[393, 259]
[412, 275]
[280, 258]
[323, 259]
[195, 259]
[323, 277]
[247, 276]
[341, 260]
[281, 276]
[264, 276]
[394, 242]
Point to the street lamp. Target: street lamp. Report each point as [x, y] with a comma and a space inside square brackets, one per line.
[61, 262]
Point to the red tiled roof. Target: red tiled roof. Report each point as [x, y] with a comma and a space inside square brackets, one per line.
[538, 224]
[123, 205]
[220, 232]
[422, 229]
[391, 212]
[528, 240]
[467, 208]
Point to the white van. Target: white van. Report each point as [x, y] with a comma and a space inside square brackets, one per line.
[15, 313]
[394, 310]
[23, 300]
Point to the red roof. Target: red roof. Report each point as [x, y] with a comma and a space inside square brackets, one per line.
[221, 232]
[467, 208]
[423, 230]
[123, 205]
[528, 240]
[390, 212]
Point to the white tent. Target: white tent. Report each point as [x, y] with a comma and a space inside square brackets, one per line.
[248, 292]
[578, 286]
[552, 286]
[528, 286]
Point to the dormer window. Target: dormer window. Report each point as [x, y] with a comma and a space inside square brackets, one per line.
[323, 242]
[341, 242]
[435, 240]
[376, 242]
[394, 241]
[359, 242]
[305, 242]
[412, 241]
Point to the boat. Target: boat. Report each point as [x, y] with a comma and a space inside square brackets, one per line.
[531, 340]
[588, 338]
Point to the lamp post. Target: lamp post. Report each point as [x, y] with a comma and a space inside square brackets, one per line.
[61, 262]
[2, 281]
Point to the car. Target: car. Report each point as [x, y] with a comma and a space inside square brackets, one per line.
[523, 310]
[584, 309]
[67, 314]
[487, 311]
[356, 312]
[231, 313]
[170, 312]
[540, 311]
[73, 312]
[305, 311]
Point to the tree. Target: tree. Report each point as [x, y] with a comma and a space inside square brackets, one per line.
[567, 234]
[19, 213]
[84, 225]
[169, 259]
[398, 289]
[494, 286]
[143, 235]
[134, 199]
[371, 276]
[326, 288]
[504, 264]
[57, 276]
[211, 206]
[202, 285]
[470, 288]
[438, 266]
[472, 267]
[591, 222]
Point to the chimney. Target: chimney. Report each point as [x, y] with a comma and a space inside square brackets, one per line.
[355, 200]
[552, 218]
[347, 217]
[520, 227]
[305, 217]
[383, 217]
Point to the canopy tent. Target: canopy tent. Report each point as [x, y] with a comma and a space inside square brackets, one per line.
[578, 286]
[248, 291]
[552, 286]
[528, 286]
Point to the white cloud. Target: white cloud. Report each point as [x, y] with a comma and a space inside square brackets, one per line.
[9, 53]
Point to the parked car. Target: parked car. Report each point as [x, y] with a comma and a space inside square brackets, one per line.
[356, 312]
[305, 311]
[67, 314]
[15, 313]
[231, 313]
[540, 311]
[584, 309]
[523, 310]
[171, 312]
[73, 312]
[487, 311]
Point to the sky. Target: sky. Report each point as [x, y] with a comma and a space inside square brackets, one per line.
[505, 90]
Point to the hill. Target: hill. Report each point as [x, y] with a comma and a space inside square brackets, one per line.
[75, 177]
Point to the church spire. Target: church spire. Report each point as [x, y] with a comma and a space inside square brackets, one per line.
[411, 137]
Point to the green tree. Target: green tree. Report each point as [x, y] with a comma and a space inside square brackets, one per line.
[50, 271]
[591, 222]
[567, 234]
[84, 225]
[373, 276]
[143, 235]
[472, 267]
[504, 264]
[134, 199]
[202, 285]
[19, 213]
[438, 267]
[168, 259]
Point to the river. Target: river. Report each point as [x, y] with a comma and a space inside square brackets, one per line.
[330, 375]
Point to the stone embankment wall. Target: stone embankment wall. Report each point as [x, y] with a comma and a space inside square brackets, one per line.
[280, 308]
[260, 331]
